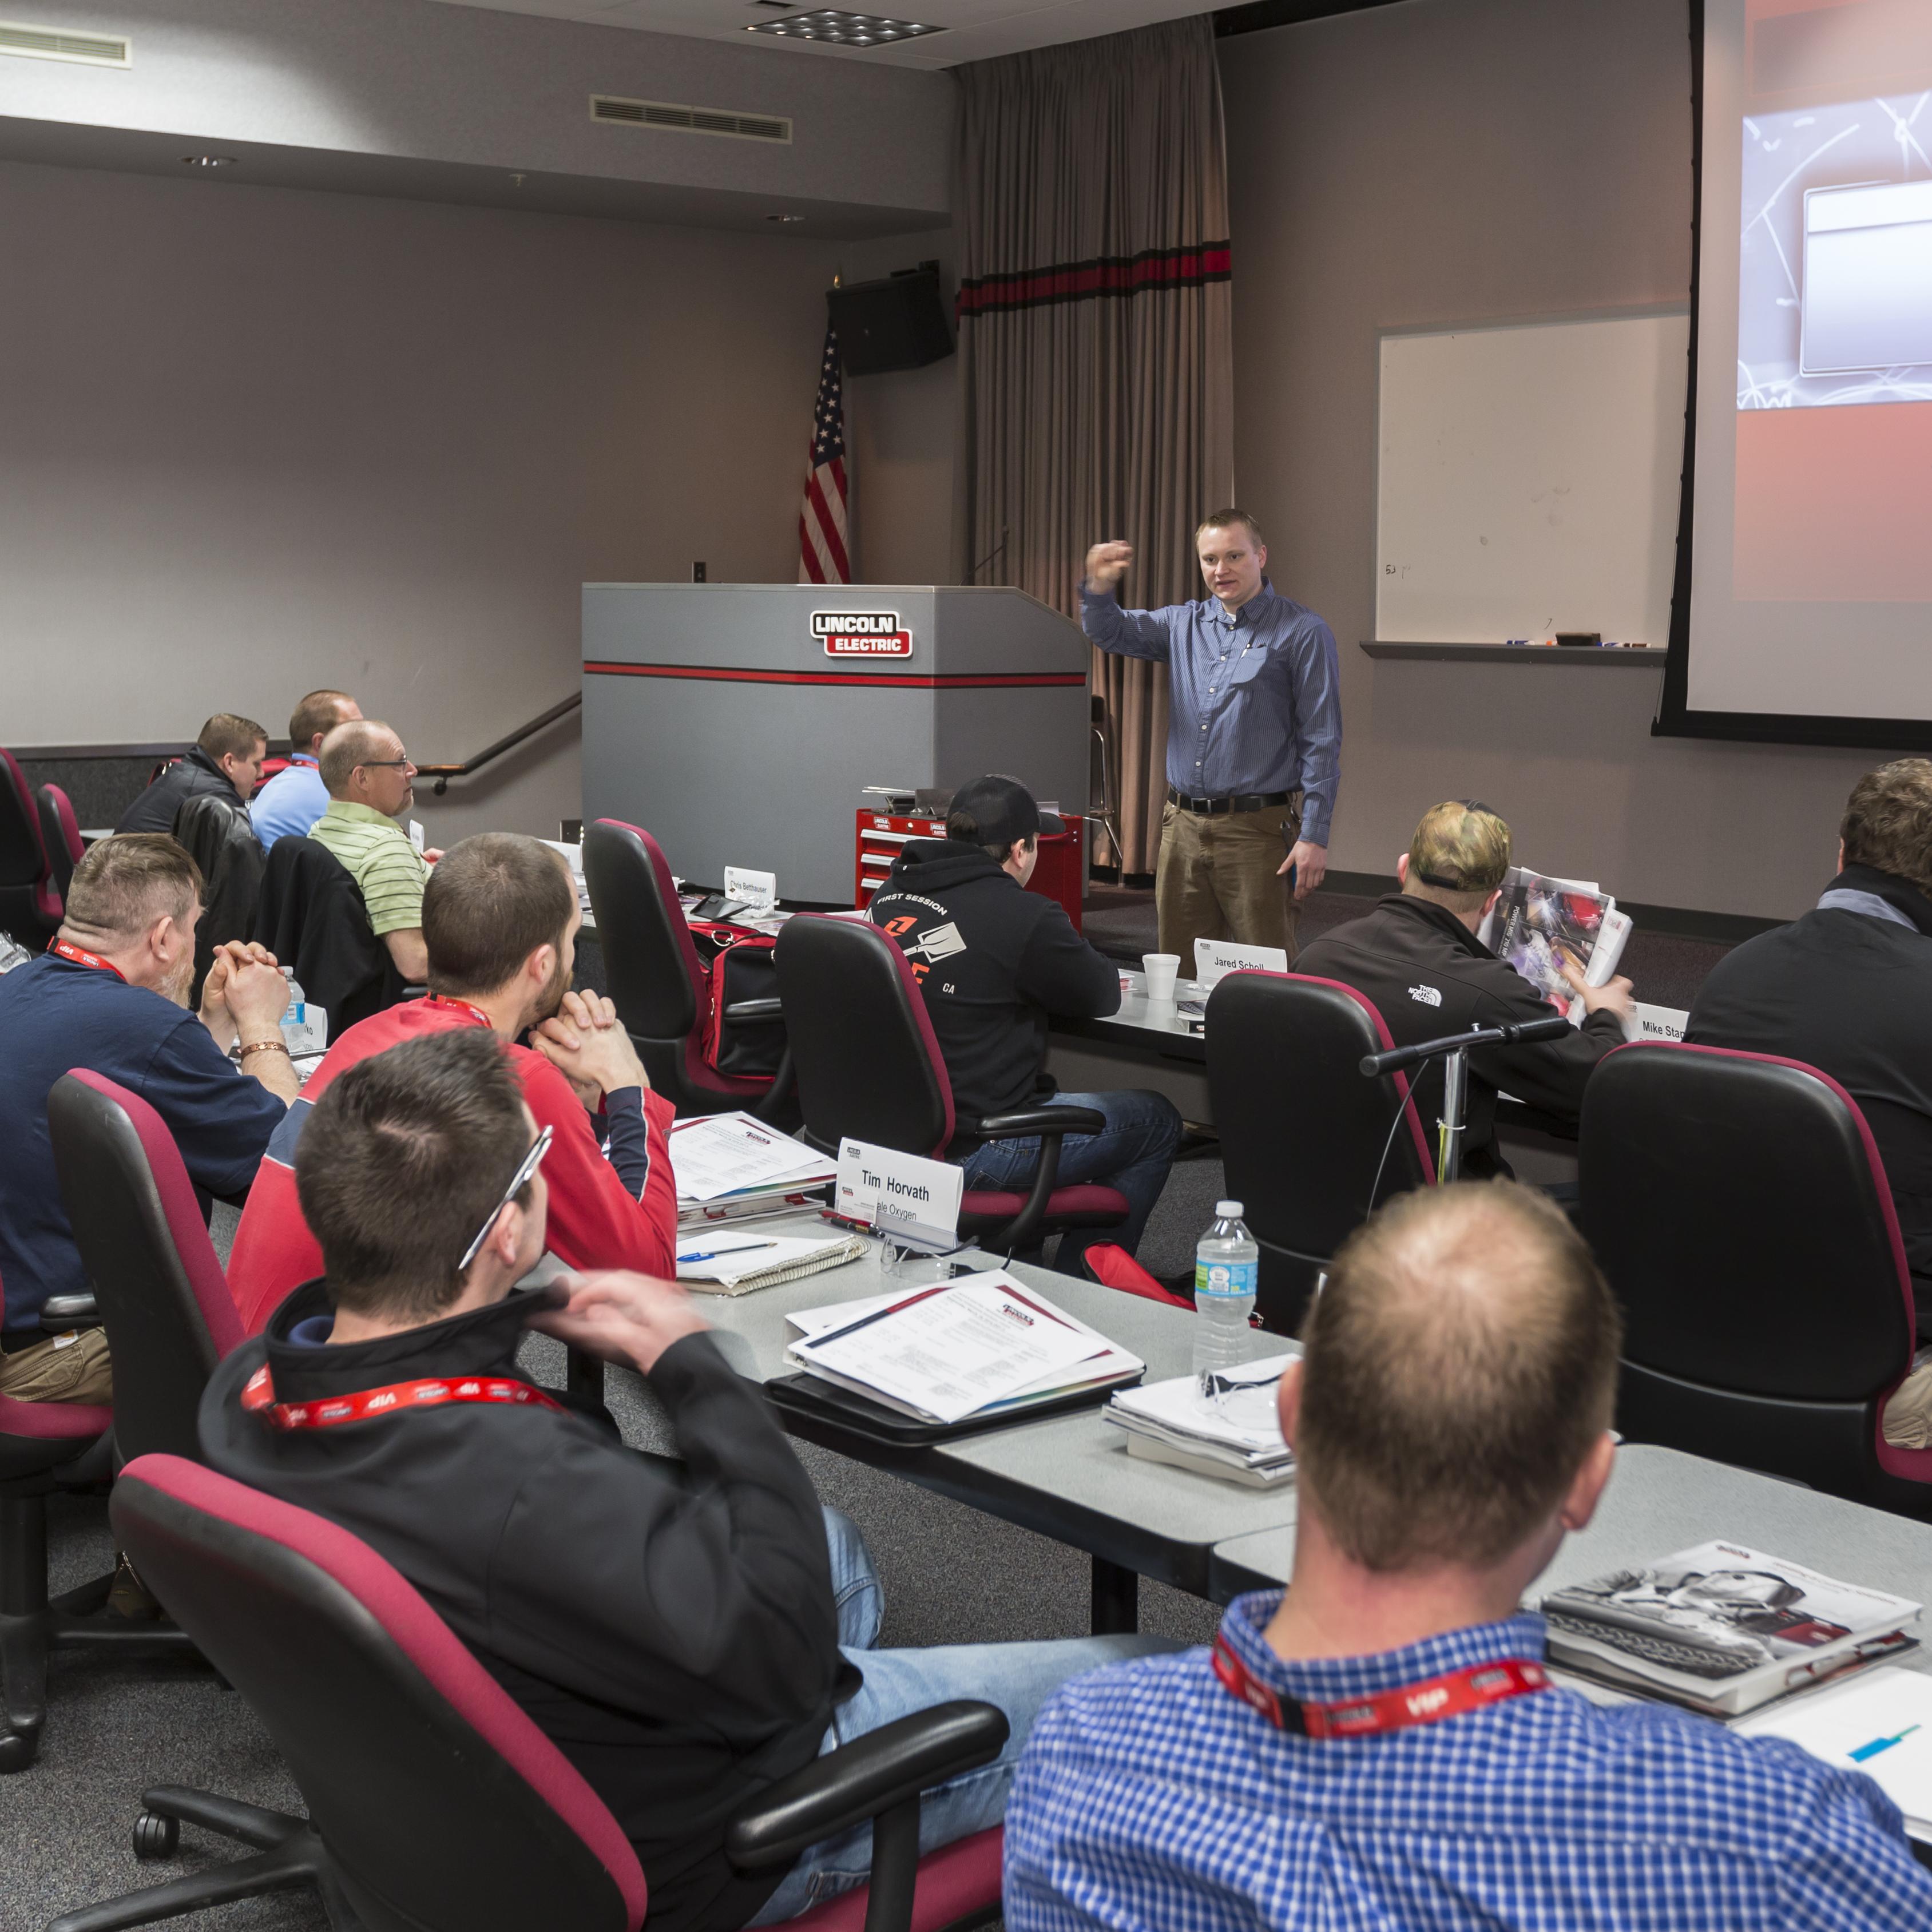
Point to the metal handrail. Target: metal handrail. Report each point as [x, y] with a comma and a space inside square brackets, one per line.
[442, 774]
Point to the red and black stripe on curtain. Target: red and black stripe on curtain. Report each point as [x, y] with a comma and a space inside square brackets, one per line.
[1096, 342]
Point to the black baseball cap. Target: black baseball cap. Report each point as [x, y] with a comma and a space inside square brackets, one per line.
[1001, 809]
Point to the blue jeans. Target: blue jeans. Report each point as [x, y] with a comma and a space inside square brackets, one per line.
[1133, 1152]
[1017, 1677]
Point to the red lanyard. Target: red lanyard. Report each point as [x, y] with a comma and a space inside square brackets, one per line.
[79, 955]
[475, 1012]
[1473, 1689]
[365, 1404]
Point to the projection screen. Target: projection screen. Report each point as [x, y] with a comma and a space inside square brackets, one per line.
[1803, 610]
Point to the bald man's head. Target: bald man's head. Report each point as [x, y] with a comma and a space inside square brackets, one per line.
[1460, 1363]
[354, 743]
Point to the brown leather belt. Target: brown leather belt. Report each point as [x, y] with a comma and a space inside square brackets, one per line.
[1209, 808]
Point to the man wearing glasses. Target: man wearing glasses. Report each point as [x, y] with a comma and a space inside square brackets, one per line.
[368, 777]
[686, 1635]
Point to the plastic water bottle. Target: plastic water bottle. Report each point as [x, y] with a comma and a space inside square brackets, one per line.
[1226, 1260]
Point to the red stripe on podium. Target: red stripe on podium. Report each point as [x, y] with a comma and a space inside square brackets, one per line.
[876, 680]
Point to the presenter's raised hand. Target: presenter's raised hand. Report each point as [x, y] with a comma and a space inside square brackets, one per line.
[1107, 563]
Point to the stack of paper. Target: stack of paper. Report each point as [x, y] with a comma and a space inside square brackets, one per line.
[729, 1165]
[1880, 1723]
[573, 856]
[1722, 1628]
[722, 1262]
[967, 1347]
[1233, 1431]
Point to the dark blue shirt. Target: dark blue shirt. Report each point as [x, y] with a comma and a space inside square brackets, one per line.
[55, 1016]
[1254, 700]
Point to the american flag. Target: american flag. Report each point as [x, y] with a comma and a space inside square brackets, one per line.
[821, 520]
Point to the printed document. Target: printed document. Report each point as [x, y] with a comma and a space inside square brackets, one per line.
[718, 1154]
[951, 1351]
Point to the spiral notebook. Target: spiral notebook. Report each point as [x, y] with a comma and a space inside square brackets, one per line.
[716, 1260]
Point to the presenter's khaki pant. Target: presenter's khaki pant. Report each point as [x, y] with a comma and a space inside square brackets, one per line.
[1907, 1419]
[1217, 878]
[74, 1367]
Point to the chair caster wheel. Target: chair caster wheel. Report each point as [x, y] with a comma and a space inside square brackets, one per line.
[156, 1837]
[18, 1751]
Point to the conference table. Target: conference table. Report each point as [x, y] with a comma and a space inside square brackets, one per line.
[1661, 1501]
[1069, 1476]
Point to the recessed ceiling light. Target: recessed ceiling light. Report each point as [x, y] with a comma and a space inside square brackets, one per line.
[208, 160]
[831, 28]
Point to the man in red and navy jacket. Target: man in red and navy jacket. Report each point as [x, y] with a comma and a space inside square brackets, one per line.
[500, 917]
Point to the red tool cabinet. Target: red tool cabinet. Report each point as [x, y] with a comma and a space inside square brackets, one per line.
[1060, 873]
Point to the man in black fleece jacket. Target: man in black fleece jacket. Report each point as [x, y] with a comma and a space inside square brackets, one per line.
[1848, 989]
[994, 961]
[686, 1634]
[1417, 958]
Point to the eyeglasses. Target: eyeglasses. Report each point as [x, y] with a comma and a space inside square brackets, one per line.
[519, 1181]
[379, 764]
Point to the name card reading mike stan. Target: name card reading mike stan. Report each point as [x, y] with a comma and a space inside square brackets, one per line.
[912, 1201]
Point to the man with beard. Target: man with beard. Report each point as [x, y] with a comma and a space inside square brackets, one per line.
[110, 994]
[499, 920]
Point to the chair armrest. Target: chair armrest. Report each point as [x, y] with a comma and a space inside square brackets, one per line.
[755, 1009]
[60, 1312]
[1037, 1121]
[860, 1780]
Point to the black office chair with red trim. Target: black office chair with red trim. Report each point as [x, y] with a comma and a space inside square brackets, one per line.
[1308, 1146]
[30, 906]
[1738, 1205]
[60, 835]
[868, 1067]
[662, 989]
[434, 1804]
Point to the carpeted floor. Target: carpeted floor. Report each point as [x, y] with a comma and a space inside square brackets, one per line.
[952, 1575]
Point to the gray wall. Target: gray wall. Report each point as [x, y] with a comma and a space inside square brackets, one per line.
[1464, 160]
[258, 439]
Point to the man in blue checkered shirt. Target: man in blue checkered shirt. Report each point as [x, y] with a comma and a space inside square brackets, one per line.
[1376, 1749]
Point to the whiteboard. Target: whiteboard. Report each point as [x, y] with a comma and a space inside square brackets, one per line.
[1527, 480]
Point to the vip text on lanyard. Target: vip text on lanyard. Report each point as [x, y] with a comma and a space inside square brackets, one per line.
[1429, 1702]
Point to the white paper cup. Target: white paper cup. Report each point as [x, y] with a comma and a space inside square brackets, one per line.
[1161, 969]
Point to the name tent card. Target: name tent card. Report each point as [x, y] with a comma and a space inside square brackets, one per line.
[1214, 959]
[758, 890]
[912, 1201]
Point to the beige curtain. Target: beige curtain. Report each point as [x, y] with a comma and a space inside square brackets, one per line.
[1096, 342]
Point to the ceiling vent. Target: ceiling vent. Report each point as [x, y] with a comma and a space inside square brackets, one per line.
[675, 119]
[58, 44]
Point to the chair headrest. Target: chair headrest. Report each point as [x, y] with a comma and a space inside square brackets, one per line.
[867, 1061]
[440, 1801]
[23, 860]
[1738, 1205]
[651, 967]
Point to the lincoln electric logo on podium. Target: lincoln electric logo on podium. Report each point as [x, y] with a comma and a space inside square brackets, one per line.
[862, 634]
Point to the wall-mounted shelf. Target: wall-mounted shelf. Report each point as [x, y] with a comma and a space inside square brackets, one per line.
[1651, 660]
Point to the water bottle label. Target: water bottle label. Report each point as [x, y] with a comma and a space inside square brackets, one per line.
[1232, 1279]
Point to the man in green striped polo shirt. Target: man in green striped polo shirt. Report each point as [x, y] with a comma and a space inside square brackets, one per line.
[367, 774]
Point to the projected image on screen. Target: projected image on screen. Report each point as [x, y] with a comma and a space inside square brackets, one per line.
[1810, 606]
[1834, 271]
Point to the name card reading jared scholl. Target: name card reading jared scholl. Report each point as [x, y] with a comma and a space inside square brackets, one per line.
[912, 1201]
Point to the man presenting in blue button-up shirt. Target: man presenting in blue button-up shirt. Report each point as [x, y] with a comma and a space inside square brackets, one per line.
[1254, 743]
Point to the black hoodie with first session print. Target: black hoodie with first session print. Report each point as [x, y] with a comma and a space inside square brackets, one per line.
[993, 960]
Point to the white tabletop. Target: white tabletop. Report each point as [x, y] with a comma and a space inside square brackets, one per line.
[1068, 1476]
[1660, 1501]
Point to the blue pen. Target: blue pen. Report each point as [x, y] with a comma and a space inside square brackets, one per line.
[712, 1254]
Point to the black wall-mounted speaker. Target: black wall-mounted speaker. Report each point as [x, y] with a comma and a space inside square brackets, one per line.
[898, 323]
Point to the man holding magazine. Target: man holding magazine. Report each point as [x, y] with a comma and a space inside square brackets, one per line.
[1379, 1746]
[1417, 957]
